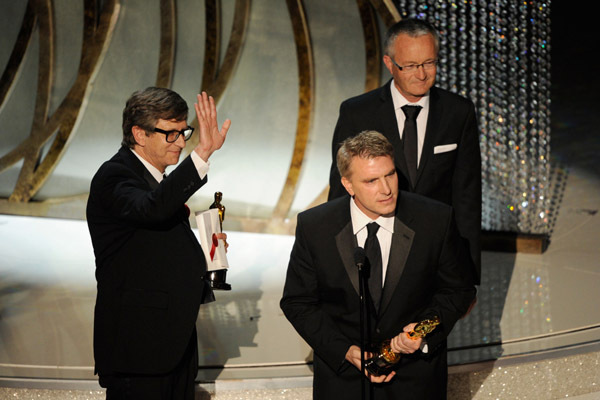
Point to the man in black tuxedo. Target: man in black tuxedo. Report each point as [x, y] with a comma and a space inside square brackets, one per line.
[443, 160]
[423, 273]
[149, 265]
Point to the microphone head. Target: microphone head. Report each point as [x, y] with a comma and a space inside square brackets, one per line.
[359, 255]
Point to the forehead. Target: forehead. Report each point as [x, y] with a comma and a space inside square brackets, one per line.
[167, 124]
[411, 48]
[364, 168]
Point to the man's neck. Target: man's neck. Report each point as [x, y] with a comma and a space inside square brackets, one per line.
[155, 172]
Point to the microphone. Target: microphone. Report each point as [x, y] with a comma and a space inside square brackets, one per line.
[359, 257]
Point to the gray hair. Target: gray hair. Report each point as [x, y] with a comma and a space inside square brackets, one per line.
[412, 27]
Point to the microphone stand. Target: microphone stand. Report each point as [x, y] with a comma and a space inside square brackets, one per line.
[359, 258]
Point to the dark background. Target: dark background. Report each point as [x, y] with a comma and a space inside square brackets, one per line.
[575, 142]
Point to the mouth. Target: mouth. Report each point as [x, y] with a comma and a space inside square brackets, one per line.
[388, 200]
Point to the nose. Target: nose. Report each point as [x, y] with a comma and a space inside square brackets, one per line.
[384, 186]
[420, 72]
[180, 142]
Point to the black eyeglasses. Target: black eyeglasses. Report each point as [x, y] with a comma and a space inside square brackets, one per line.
[172, 135]
[427, 65]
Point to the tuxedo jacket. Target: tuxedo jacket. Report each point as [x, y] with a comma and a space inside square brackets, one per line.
[149, 265]
[450, 164]
[426, 276]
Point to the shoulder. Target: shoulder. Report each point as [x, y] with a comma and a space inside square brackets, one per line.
[123, 163]
[336, 210]
[418, 205]
[445, 96]
[373, 97]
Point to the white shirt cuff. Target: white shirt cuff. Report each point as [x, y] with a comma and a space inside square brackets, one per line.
[201, 165]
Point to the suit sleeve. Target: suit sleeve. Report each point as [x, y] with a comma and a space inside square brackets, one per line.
[301, 306]
[342, 131]
[466, 190]
[455, 288]
[126, 195]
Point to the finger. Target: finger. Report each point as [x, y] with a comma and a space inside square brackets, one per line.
[200, 109]
[378, 379]
[225, 127]
[203, 104]
[212, 108]
[390, 376]
[396, 345]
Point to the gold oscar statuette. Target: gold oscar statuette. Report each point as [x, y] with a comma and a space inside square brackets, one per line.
[384, 360]
[218, 277]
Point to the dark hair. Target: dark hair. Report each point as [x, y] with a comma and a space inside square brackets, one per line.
[145, 107]
[412, 27]
[367, 144]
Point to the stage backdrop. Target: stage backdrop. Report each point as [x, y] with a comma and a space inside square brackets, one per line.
[279, 70]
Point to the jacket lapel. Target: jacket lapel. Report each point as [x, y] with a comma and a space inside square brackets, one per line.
[136, 165]
[346, 241]
[153, 183]
[432, 130]
[402, 239]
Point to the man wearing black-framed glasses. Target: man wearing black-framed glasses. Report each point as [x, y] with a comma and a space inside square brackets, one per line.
[433, 131]
[150, 267]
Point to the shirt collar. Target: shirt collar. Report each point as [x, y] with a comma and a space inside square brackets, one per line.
[360, 220]
[400, 101]
[156, 174]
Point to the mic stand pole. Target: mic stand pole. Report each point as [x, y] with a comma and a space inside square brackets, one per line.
[363, 311]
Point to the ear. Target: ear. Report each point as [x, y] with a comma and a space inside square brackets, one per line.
[348, 185]
[139, 135]
[388, 64]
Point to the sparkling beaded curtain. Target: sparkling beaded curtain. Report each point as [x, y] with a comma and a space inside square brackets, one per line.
[497, 53]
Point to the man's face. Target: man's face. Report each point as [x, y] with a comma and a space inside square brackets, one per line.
[155, 149]
[409, 50]
[374, 185]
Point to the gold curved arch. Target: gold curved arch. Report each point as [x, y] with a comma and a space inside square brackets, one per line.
[212, 43]
[97, 30]
[305, 107]
[387, 11]
[368, 11]
[16, 57]
[168, 29]
[372, 45]
[214, 78]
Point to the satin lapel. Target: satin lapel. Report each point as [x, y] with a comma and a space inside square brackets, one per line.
[401, 243]
[136, 165]
[346, 243]
[431, 132]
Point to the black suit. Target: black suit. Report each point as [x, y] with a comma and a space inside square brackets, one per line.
[452, 177]
[149, 266]
[425, 277]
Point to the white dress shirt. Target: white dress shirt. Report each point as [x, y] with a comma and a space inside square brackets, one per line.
[384, 234]
[201, 166]
[400, 101]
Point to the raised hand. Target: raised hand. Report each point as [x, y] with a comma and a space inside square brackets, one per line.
[211, 138]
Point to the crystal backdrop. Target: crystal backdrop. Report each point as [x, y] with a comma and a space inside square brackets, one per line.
[497, 53]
